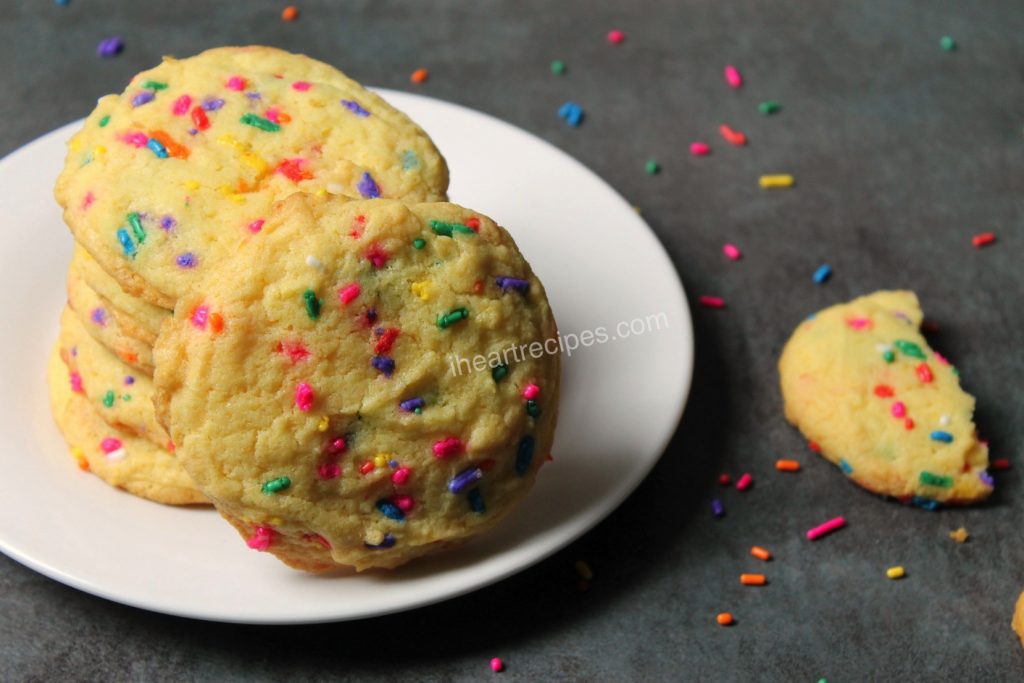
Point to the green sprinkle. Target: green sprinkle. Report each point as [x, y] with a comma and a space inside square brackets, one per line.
[104, 121]
[909, 349]
[108, 398]
[137, 229]
[418, 411]
[260, 122]
[929, 479]
[446, 229]
[532, 409]
[275, 485]
[652, 167]
[312, 304]
[418, 243]
[154, 85]
[126, 397]
[448, 319]
[768, 107]
[889, 356]
[558, 67]
[947, 43]
[499, 372]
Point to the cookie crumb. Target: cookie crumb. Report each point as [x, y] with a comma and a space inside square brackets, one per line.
[960, 535]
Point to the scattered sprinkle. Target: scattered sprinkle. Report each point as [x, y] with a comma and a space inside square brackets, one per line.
[761, 553]
[446, 320]
[753, 579]
[924, 373]
[497, 665]
[724, 479]
[826, 528]
[524, 455]
[787, 465]
[312, 304]
[263, 124]
[717, 509]
[768, 107]
[744, 482]
[823, 273]
[448, 229]
[939, 435]
[367, 187]
[506, 283]
[616, 37]
[711, 301]
[731, 251]
[724, 619]
[448, 447]
[772, 182]
[558, 67]
[304, 397]
[348, 293]
[959, 535]
[276, 485]
[700, 149]
[572, 113]
[931, 479]
[290, 13]
[983, 239]
[390, 510]
[1000, 464]
[384, 364]
[355, 108]
[186, 260]
[909, 349]
[419, 76]
[733, 137]
[733, 77]
[464, 479]
[499, 372]
[110, 47]
[895, 572]
[846, 467]
[947, 43]
[261, 539]
[652, 167]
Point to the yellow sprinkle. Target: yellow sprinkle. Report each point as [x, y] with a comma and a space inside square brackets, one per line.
[321, 192]
[75, 144]
[583, 570]
[773, 181]
[79, 455]
[100, 150]
[192, 184]
[421, 289]
[230, 141]
[381, 460]
[323, 424]
[255, 161]
[960, 535]
[895, 572]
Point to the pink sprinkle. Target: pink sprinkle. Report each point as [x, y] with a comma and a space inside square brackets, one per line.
[135, 139]
[236, 83]
[942, 359]
[732, 76]
[700, 149]
[711, 301]
[531, 391]
[110, 444]
[828, 527]
[328, 470]
[76, 382]
[87, 200]
[181, 105]
[256, 225]
[261, 539]
[744, 482]
[301, 86]
[304, 397]
[349, 292]
[447, 447]
[859, 324]
[615, 37]
[401, 476]
[200, 315]
[732, 251]
[497, 665]
[403, 502]
[273, 114]
[898, 409]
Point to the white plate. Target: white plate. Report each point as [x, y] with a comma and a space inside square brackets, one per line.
[621, 402]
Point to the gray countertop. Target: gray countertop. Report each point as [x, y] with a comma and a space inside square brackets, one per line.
[902, 152]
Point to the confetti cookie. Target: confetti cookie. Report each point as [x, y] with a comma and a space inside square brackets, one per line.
[97, 318]
[860, 381]
[119, 394]
[138, 319]
[365, 383]
[170, 177]
[114, 455]
[1018, 618]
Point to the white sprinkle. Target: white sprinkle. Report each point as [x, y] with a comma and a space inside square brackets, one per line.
[335, 188]
[314, 262]
[119, 454]
[944, 420]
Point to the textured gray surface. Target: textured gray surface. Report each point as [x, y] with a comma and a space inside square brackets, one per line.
[902, 152]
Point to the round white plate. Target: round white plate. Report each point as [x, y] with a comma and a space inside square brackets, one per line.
[621, 401]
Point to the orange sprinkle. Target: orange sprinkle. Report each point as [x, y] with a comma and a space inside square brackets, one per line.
[753, 579]
[216, 323]
[282, 117]
[419, 75]
[733, 137]
[290, 13]
[761, 553]
[787, 465]
[172, 147]
[724, 619]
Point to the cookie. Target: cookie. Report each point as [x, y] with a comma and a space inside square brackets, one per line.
[366, 383]
[114, 455]
[170, 177]
[95, 314]
[860, 381]
[138, 319]
[1018, 618]
[119, 394]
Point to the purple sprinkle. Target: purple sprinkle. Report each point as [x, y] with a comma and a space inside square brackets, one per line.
[464, 479]
[384, 364]
[110, 47]
[99, 316]
[379, 331]
[412, 404]
[129, 380]
[392, 464]
[252, 95]
[168, 222]
[717, 509]
[367, 187]
[144, 97]
[371, 315]
[193, 131]
[388, 542]
[354, 107]
[186, 260]
[506, 283]
[212, 103]
[986, 479]
[74, 351]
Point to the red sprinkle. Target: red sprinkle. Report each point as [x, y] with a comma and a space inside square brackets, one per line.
[883, 391]
[199, 118]
[744, 482]
[616, 37]
[983, 239]
[292, 169]
[385, 341]
[448, 447]
[1000, 464]
[296, 351]
[733, 137]
[367, 467]
[328, 470]
[377, 255]
[473, 223]
[909, 423]
[711, 301]
[924, 373]
[724, 479]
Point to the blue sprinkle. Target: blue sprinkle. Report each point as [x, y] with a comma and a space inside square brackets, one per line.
[944, 437]
[464, 479]
[354, 107]
[845, 467]
[393, 464]
[924, 503]
[158, 149]
[129, 380]
[388, 542]
[412, 404]
[524, 456]
[506, 283]
[986, 478]
[717, 509]
[186, 260]
[476, 501]
[384, 364]
[410, 160]
[823, 273]
[99, 316]
[390, 510]
[367, 187]
[371, 315]
[572, 113]
[168, 222]
[126, 242]
[61, 3]
[144, 97]
[212, 103]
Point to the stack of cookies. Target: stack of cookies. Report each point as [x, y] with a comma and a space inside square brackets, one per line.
[266, 291]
